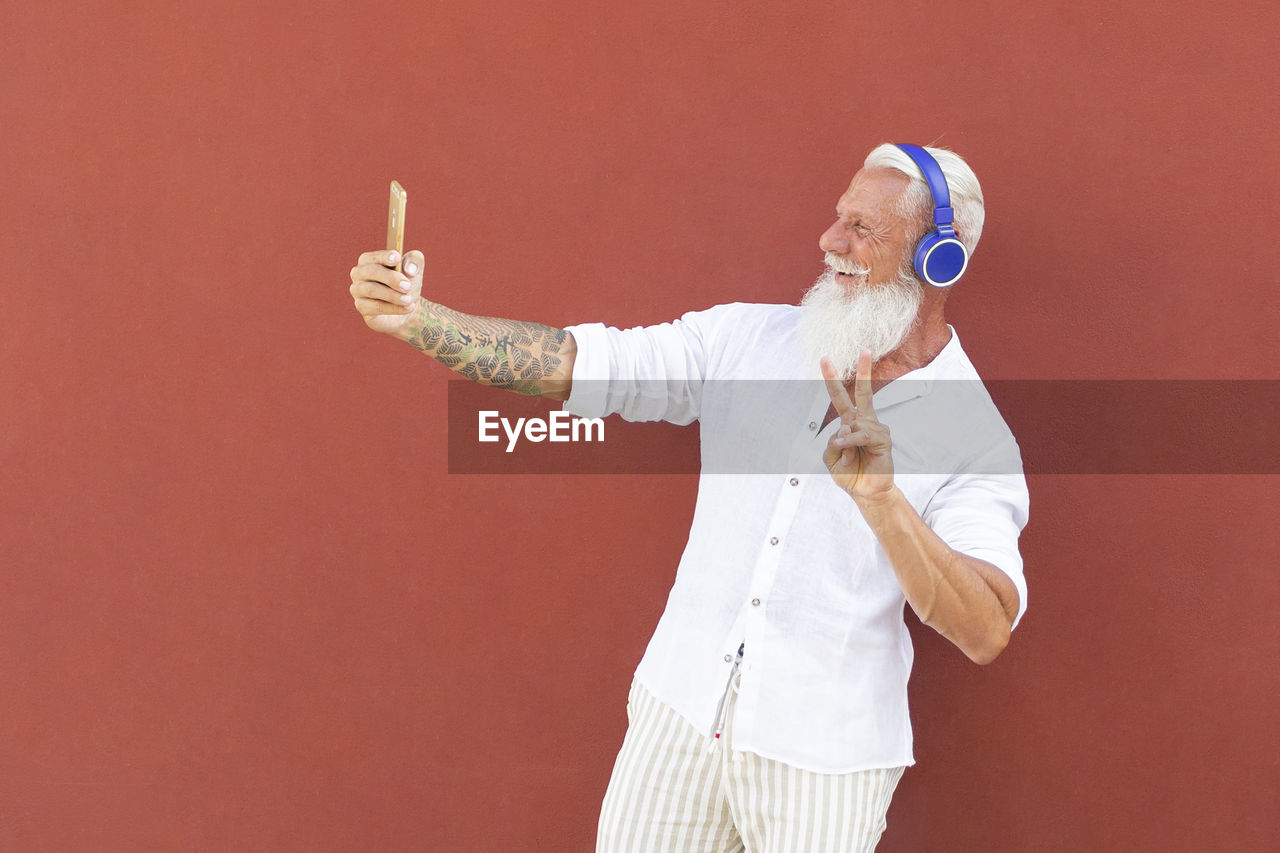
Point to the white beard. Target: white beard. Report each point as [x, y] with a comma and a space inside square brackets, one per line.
[840, 321]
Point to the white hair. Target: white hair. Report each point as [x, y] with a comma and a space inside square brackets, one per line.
[917, 202]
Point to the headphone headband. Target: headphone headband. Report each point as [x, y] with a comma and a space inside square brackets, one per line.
[942, 213]
[940, 259]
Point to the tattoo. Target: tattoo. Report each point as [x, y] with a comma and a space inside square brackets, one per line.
[508, 354]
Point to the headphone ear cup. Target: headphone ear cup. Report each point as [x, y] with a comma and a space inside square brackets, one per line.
[939, 260]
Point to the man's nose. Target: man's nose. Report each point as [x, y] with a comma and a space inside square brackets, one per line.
[833, 240]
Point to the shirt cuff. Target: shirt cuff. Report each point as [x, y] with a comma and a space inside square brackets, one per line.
[588, 396]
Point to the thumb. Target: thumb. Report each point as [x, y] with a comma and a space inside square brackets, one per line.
[413, 266]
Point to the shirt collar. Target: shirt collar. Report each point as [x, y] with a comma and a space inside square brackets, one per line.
[918, 382]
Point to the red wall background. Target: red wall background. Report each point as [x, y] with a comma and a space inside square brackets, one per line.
[244, 605]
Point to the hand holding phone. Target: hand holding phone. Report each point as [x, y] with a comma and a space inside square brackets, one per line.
[385, 294]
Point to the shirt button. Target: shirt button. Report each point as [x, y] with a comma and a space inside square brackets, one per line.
[794, 481]
[755, 602]
[728, 658]
[813, 424]
[773, 541]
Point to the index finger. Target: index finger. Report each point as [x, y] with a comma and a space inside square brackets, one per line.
[835, 388]
[862, 385]
[385, 257]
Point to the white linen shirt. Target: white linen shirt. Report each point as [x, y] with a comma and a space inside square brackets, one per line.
[779, 558]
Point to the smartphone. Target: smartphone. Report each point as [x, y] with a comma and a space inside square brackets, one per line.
[395, 221]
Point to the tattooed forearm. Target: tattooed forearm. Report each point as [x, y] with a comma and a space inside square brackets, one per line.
[528, 358]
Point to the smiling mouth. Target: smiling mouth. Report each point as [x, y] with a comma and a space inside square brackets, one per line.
[840, 266]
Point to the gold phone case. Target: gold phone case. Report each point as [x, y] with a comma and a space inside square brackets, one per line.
[395, 220]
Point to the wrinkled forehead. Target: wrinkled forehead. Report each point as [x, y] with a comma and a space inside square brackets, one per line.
[874, 191]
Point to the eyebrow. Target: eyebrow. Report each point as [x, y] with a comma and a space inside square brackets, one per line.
[870, 220]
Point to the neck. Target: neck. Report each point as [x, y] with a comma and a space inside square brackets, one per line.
[928, 337]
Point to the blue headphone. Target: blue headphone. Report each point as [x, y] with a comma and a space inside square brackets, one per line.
[940, 258]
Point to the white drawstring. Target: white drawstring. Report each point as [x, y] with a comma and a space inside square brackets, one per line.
[722, 712]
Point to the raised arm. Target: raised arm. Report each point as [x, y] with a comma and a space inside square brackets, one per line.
[969, 601]
[527, 358]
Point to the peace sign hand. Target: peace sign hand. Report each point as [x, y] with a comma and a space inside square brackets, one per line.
[859, 454]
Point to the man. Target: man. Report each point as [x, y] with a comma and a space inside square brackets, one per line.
[769, 711]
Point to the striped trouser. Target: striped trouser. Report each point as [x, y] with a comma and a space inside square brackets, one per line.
[677, 790]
